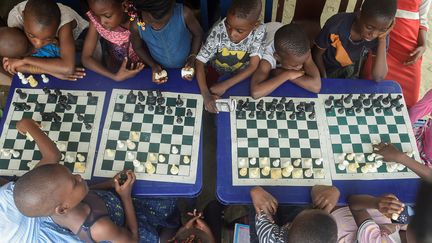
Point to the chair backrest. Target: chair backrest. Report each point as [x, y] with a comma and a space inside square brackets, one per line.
[344, 5]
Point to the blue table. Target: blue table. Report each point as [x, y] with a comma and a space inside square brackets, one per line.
[95, 82]
[405, 189]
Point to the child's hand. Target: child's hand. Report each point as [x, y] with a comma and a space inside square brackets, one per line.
[79, 73]
[210, 103]
[389, 152]
[125, 190]
[190, 64]
[124, 73]
[293, 74]
[24, 124]
[325, 197]
[263, 201]
[415, 55]
[384, 35]
[11, 64]
[158, 69]
[388, 229]
[218, 89]
[389, 204]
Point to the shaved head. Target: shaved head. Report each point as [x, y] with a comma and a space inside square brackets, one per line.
[14, 43]
[43, 12]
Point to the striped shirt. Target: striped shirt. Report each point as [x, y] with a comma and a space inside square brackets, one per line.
[269, 232]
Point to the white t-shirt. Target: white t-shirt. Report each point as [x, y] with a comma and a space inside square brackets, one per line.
[15, 18]
[269, 49]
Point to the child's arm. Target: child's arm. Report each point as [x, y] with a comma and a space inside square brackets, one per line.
[379, 64]
[90, 63]
[65, 64]
[261, 87]
[421, 108]
[197, 35]
[317, 54]
[49, 151]
[209, 99]
[106, 230]
[420, 50]
[392, 154]
[220, 88]
[311, 80]
[142, 51]
[387, 205]
[263, 201]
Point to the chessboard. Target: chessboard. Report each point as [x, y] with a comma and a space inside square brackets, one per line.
[69, 117]
[355, 122]
[277, 141]
[156, 134]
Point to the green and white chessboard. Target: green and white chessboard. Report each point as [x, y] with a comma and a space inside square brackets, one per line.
[156, 132]
[263, 147]
[70, 132]
[352, 132]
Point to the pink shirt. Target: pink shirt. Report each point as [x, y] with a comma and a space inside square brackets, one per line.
[118, 37]
[422, 108]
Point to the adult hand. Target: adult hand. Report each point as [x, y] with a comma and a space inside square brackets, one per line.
[125, 190]
[415, 55]
[389, 152]
[263, 201]
[210, 103]
[218, 89]
[124, 73]
[389, 204]
[325, 197]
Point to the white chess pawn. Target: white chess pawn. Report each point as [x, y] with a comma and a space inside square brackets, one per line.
[109, 153]
[359, 158]
[265, 171]
[318, 161]
[69, 158]
[174, 150]
[136, 163]
[308, 173]
[22, 78]
[161, 158]
[130, 155]
[186, 159]
[371, 157]
[264, 162]
[297, 162]
[174, 170]
[276, 163]
[243, 172]
[320, 173]
[135, 136]
[341, 166]
[342, 157]
[120, 144]
[252, 161]
[61, 146]
[139, 168]
[152, 157]
[297, 173]
[80, 157]
[307, 163]
[131, 145]
[241, 162]
[45, 79]
[254, 172]
[15, 153]
[350, 156]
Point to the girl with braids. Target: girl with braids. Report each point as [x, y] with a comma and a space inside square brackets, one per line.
[165, 34]
[109, 20]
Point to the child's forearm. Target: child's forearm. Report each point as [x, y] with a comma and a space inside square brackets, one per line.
[195, 29]
[265, 87]
[244, 74]
[379, 69]
[200, 74]
[54, 65]
[90, 63]
[421, 170]
[309, 83]
[360, 202]
[140, 47]
[105, 185]
[131, 220]
[422, 38]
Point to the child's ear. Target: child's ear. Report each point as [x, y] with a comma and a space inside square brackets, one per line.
[61, 209]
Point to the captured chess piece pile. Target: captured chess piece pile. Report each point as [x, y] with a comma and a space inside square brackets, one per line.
[31, 79]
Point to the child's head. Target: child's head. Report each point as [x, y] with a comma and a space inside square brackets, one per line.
[110, 12]
[192, 235]
[419, 229]
[313, 226]
[292, 47]
[155, 13]
[14, 43]
[41, 21]
[375, 18]
[48, 190]
[242, 18]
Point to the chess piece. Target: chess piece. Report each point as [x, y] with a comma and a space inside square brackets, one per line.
[378, 110]
[161, 75]
[45, 79]
[32, 81]
[134, 136]
[169, 110]
[289, 106]
[69, 158]
[312, 115]
[280, 107]
[131, 97]
[260, 105]
[292, 116]
[329, 109]
[319, 161]
[21, 94]
[399, 107]
[120, 144]
[109, 153]
[174, 150]
[15, 154]
[130, 155]
[80, 157]
[174, 170]
[38, 106]
[179, 120]
[246, 104]
[186, 159]
[329, 101]
[22, 78]
[187, 72]
[130, 145]
[88, 126]
[71, 98]
[339, 102]
[140, 107]
[80, 117]
[150, 107]
[179, 101]
[52, 98]
[159, 108]
[309, 107]
[89, 94]
[152, 157]
[348, 99]
[271, 115]
[141, 96]
[251, 114]
[188, 113]
[395, 101]
[341, 110]
[161, 158]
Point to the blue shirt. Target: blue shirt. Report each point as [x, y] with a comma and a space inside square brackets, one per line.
[15, 227]
[169, 46]
[341, 51]
[50, 50]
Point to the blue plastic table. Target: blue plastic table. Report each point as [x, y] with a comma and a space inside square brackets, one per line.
[95, 82]
[404, 189]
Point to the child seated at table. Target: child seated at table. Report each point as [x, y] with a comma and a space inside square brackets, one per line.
[299, 225]
[234, 47]
[51, 190]
[51, 28]
[346, 39]
[109, 20]
[287, 57]
[166, 34]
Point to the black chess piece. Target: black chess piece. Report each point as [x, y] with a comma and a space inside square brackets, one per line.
[312, 115]
[339, 102]
[158, 93]
[141, 97]
[280, 107]
[348, 98]
[368, 109]
[188, 112]
[357, 103]
[301, 114]
[57, 92]
[122, 178]
[292, 116]
[329, 101]
[38, 105]
[358, 110]
[71, 98]
[395, 101]
[260, 105]
[399, 107]
[240, 105]
[52, 98]
[88, 126]
[252, 114]
[341, 110]
[65, 106]
[26, 106]
[179, 101]
[56, 117]
[387, 99]
[367, 101]
[350, 110]
[371, 96]
[126, 116]
[150, 93]
[80, 117]
[21, 94]
[159, 108]
[179, 120]
[63, 99]
[46, 90]
[282, 100]
[89, 94]
[377, 102]
[140, 107]
[274, 101]
[150, 107]
[272, 107]
[160, 100]
[329, 109]
[309, 107]
[362, 96]
[45, 116]
[18, 106]
[169, 110]
[246, 104]
[131, 97]
[271, 115]
[289, 106]
[378, 110]
[301, 106]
